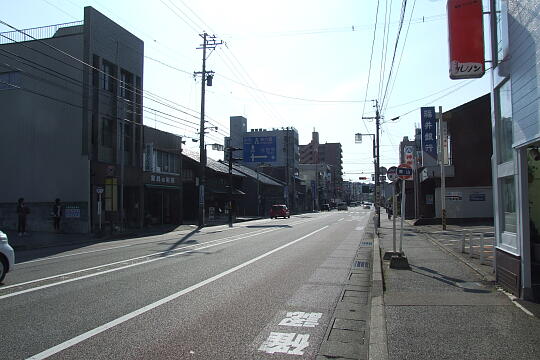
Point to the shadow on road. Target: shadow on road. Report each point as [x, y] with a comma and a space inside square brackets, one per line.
[446, 279]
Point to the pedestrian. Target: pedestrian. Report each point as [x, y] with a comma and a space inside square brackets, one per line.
[56, 214]
[22, 212]
[390, 212]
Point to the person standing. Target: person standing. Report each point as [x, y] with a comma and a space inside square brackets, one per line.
[56, 214]
[22, 212]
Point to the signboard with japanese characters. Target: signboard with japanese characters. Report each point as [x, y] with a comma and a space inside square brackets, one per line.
[429, 138]
[466, 39]
[408, 154]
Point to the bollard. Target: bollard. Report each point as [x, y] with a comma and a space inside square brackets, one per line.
[463, 242]
[482, 248]
[470, 244]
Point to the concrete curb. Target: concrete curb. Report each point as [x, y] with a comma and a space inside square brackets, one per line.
[378, 346]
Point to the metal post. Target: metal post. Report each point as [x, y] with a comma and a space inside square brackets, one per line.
[443, 177]
[258, 195]
[463, 242]
[377, 166]
[230, 187]
[482, 256]
[402, 215]
[470, 244]
[394, 212]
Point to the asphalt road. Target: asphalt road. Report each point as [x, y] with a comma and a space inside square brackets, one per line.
[262, 289]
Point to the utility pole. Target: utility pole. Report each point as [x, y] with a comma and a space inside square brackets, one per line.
[442, 162]
[377, 166]
[230, 150]
[209, 42]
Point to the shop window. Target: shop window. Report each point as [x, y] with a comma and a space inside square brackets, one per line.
[504, 123]
[508, 197]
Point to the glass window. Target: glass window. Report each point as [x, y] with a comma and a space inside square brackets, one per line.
[504, 123]
[107, 132]
[10, 80]
[107, 80]
[508, 197]
[501, 34]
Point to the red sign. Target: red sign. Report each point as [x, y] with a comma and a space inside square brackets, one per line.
[405, 172]
[466, 38]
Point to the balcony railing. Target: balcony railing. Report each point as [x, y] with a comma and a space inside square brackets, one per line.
[42, 32]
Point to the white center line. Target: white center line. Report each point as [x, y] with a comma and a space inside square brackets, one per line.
[80, 338]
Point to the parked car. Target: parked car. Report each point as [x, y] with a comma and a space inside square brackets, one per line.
[342, 206]
[7, 256]
[325, 207]
[279, 211]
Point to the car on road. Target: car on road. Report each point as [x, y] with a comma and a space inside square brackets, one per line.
[279, 211]
[342, 206]
[325, 207]
[7, 256]
[367, 205]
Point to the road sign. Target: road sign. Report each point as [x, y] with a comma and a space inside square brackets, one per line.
[260, 149]
[404, 172]
[382, 170]
[391, 174]
[409, 156]
[99, 190]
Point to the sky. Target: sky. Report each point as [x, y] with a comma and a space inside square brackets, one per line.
[310, 64]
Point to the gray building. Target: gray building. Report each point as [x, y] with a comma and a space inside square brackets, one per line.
[272, 151]
[71, 106]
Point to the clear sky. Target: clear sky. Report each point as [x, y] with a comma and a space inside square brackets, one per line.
[301, 63]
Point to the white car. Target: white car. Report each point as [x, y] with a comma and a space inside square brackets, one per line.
[7, 256]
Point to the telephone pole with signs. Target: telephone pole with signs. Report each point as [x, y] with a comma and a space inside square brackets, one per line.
[209, 42]
[377, 176]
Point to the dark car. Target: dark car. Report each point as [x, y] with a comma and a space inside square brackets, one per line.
[325, 207]
[279, 211]
[342, 206]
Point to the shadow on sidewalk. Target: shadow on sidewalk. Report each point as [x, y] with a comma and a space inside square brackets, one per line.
[446, 279]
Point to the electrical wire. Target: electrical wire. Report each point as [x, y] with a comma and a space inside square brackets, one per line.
[370, 60]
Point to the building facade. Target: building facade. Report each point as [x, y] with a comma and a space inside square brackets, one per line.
[72, 123]
[515, 112]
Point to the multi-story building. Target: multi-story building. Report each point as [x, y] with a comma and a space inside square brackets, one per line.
[71, 99]
[273, 151]
[330, 154]
[515, 112]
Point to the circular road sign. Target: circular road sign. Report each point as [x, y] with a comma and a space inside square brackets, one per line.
[382, 170]
[405, 172]
[391, 174]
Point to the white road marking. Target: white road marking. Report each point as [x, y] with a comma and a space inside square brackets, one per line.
[141, 242]
[167, 253]
[360, 228]
[80, 338]
[286, 343]
[301, 319]
[341, 219]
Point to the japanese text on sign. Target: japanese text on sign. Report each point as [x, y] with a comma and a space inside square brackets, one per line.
[429, 138]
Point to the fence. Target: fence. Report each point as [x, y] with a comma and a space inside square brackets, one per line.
[484, 242]
[42, 32]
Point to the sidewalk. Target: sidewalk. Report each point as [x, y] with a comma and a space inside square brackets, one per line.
[444, 309]
[41, 239]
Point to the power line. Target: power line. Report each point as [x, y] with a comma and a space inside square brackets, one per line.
[370, 59]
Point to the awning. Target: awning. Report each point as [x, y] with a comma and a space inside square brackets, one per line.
[164, 187]
[224, 191]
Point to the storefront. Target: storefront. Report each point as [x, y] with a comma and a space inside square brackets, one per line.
[162, 199]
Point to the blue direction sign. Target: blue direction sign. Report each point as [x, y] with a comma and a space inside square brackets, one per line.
[259, 149]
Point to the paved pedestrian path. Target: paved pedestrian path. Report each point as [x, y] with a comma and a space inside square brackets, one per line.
[441, 308]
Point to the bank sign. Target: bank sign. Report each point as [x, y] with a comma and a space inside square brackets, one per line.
[260, 149]
[429, 136]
